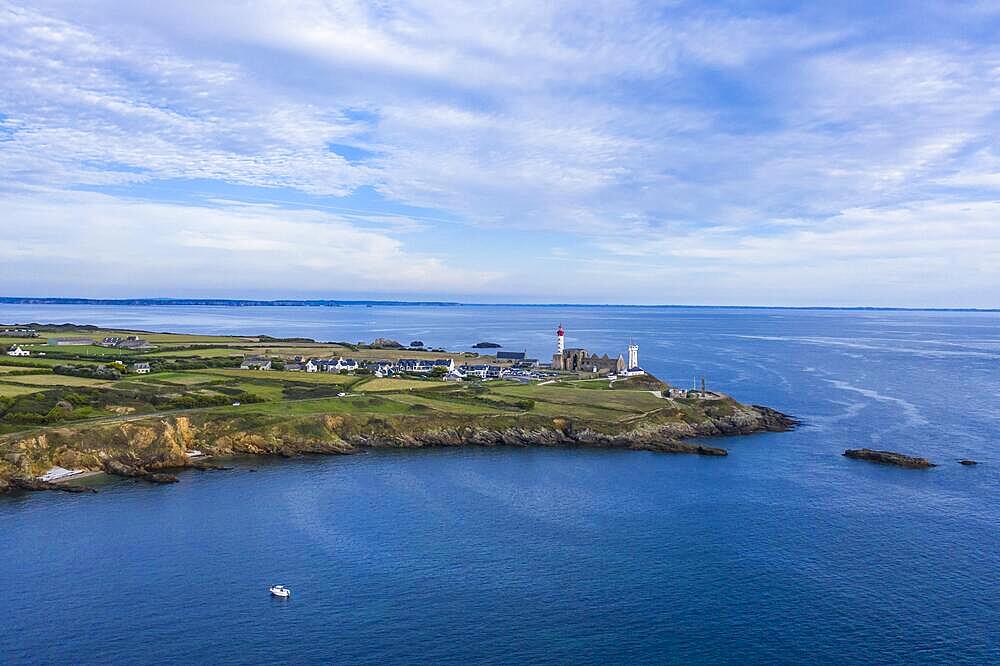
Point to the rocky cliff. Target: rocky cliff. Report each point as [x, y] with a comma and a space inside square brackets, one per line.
[145, 447]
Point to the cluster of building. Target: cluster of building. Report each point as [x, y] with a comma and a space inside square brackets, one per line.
[520, 369]
[129, 343]
[382, 368]
[578, 359]
[18, 333]
[510, 365]
[17, 351]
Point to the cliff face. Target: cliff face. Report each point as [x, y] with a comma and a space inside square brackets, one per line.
[142, 446]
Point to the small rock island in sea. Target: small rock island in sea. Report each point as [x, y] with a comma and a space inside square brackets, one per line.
[77, 399]
[889, 458]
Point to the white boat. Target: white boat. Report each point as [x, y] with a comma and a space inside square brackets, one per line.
[280, 591]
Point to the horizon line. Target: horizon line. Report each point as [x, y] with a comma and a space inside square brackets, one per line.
[293, 302]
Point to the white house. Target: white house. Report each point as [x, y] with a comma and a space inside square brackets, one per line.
[478, 370]
[17, 351]
[453, 376]
[423, 366]
[140, 368]
[345, 365]
[446, 363]
[256, 363]
[380, 368]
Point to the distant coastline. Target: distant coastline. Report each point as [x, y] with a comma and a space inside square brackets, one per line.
[247, 302]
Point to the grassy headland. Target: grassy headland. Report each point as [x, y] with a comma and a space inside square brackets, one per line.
[82, 407]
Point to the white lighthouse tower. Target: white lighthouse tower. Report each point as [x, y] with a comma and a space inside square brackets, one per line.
[560, 341]
[633, 356]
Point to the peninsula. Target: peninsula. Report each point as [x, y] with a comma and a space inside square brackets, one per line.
[77, 398]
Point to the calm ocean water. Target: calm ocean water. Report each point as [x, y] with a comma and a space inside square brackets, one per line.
[783, 552]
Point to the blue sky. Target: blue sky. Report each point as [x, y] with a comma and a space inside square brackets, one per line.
[760, 153]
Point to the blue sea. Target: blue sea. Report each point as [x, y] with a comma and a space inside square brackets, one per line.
[782, 552]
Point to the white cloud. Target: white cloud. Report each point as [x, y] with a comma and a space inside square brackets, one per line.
[708, 135]
[68, 241]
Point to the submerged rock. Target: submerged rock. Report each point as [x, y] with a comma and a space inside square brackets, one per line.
[207, 466]
[967, 462]
[159, 477]
[889, 458]
[683, 447]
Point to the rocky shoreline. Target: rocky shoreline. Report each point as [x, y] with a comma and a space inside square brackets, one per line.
[151, 450]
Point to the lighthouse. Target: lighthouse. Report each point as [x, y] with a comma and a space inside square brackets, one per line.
[633, 356]
[560, 340]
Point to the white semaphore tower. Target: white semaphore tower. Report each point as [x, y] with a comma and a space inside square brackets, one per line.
[560, 342]
[633, 356]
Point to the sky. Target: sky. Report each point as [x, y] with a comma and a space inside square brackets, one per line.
[720, 153]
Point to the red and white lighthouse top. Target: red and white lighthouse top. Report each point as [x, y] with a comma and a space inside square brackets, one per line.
[560, 332]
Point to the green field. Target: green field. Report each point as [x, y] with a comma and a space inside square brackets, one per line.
[392, 384]
[11, 390]
[269, 391]
[54, 380]
[175, 385]
[179, 378]
[627, 401]
[588, 384]
[450, 407]
[220, 352]
[20, 368]
[44, 362]
[281, 375]
[347, 405]
[78, 350]
[182, 339]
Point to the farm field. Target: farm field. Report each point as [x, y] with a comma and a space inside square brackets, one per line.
[11, 390]
[205, 380]
[18, 341]
[54, 380]
[282, 375]
[267, 391]
[220, 352]
[20, 368]
[78, 350]
[446, 406]
[181, 378]
[628, 401]
[392, 384]
[333, 405]
[44, 362]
